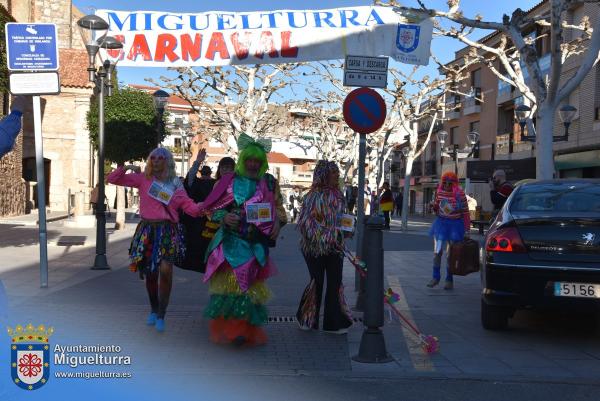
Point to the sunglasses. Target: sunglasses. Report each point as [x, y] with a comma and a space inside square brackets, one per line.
[157, 158]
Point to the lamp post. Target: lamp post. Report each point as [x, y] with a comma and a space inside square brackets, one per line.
[161, 98]
[522, 114]
[93, 31]
[454, 152]
[566, 114]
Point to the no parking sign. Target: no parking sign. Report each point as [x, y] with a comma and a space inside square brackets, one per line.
[364, 110]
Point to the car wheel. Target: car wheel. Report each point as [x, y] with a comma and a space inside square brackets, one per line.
[494, 317]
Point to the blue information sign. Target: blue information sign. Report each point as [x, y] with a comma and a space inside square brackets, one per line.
[31, 47]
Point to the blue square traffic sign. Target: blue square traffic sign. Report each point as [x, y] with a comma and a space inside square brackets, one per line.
[31, 47]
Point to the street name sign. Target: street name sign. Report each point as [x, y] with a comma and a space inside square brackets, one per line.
[364, 110]
[366, 71]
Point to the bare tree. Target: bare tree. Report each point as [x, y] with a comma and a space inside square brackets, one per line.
[544, 93]
[233, 99]
[425, 103]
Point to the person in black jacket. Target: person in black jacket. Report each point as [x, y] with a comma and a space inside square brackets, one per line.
[197, 188]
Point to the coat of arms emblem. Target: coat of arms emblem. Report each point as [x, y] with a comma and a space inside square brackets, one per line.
[30, 355]
[407, 38]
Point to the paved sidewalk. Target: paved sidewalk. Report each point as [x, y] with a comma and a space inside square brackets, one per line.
[109, 307]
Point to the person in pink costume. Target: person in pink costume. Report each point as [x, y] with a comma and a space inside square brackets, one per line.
[158, 240]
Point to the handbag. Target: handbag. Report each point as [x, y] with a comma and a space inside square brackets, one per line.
[464, 257]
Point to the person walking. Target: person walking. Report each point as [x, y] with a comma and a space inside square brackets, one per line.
[450, 225]
[500, 190]
[158, 240]
[322, 243]
[386, 203]
[398, 201]
[197, 232]
[238, 262]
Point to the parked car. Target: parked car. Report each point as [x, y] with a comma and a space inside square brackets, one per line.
[543, 250]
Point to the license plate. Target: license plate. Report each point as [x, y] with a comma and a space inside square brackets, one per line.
[577, 290]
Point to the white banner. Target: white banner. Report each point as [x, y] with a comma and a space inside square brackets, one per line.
[165, 39]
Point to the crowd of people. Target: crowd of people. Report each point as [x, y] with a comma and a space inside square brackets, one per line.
[225, 227]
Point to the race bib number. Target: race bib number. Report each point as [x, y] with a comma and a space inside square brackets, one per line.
[161, 192]
[346, 222]
[258, 213]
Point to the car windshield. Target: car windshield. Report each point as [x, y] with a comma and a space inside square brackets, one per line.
[558, 197]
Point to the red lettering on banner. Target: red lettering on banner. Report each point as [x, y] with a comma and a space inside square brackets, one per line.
[139, 46]
[286, 49]
[191, 48]
[266, 44]
[242, 48]
[217, 45]
[165, 46]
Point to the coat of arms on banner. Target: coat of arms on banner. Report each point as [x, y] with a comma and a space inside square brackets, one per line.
[30, 356]
[407, 38]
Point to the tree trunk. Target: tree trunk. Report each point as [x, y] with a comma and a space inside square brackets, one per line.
[120, 215]
[406, 192]
[544, 148]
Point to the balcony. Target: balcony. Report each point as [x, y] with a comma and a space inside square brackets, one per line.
[473, 102]
[506, 92]
[453, 115]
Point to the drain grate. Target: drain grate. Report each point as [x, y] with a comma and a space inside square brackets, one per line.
[292, 319]
[281, 319]
[67, 240]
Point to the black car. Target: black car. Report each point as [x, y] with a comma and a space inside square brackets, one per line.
[543, 250]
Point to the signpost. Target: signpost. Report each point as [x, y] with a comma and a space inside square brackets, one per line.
[366, 71]
[32, 59]
[364, 111]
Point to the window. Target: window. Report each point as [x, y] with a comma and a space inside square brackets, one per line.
[474, 126]
[457, 103]
[476, 85]
[178, 142]
[453, 135]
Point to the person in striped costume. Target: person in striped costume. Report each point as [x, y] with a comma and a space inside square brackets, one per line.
[452, 221]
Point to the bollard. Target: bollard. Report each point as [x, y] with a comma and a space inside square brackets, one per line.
[362, 251]
[372, 344]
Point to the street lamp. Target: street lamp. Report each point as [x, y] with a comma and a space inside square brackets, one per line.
[183, 128]
[454, 152]
[522, 112]
[90, 27]
[566, 114]
[161, 98]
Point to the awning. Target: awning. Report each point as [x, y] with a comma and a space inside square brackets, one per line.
[590, 158]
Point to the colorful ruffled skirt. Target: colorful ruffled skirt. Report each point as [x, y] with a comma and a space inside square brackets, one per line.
[237, 313]
[445, 229]
[154, 242]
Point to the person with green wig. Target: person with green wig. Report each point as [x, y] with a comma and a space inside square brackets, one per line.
[238, 262]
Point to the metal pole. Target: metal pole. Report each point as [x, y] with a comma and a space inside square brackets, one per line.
[41, 191]
[372, 344]
[359, 284]
[100, 262]
[182, 155]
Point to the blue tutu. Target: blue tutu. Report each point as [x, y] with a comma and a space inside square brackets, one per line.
[444, 229]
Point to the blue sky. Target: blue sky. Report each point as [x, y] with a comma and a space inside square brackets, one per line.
[443, 48]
